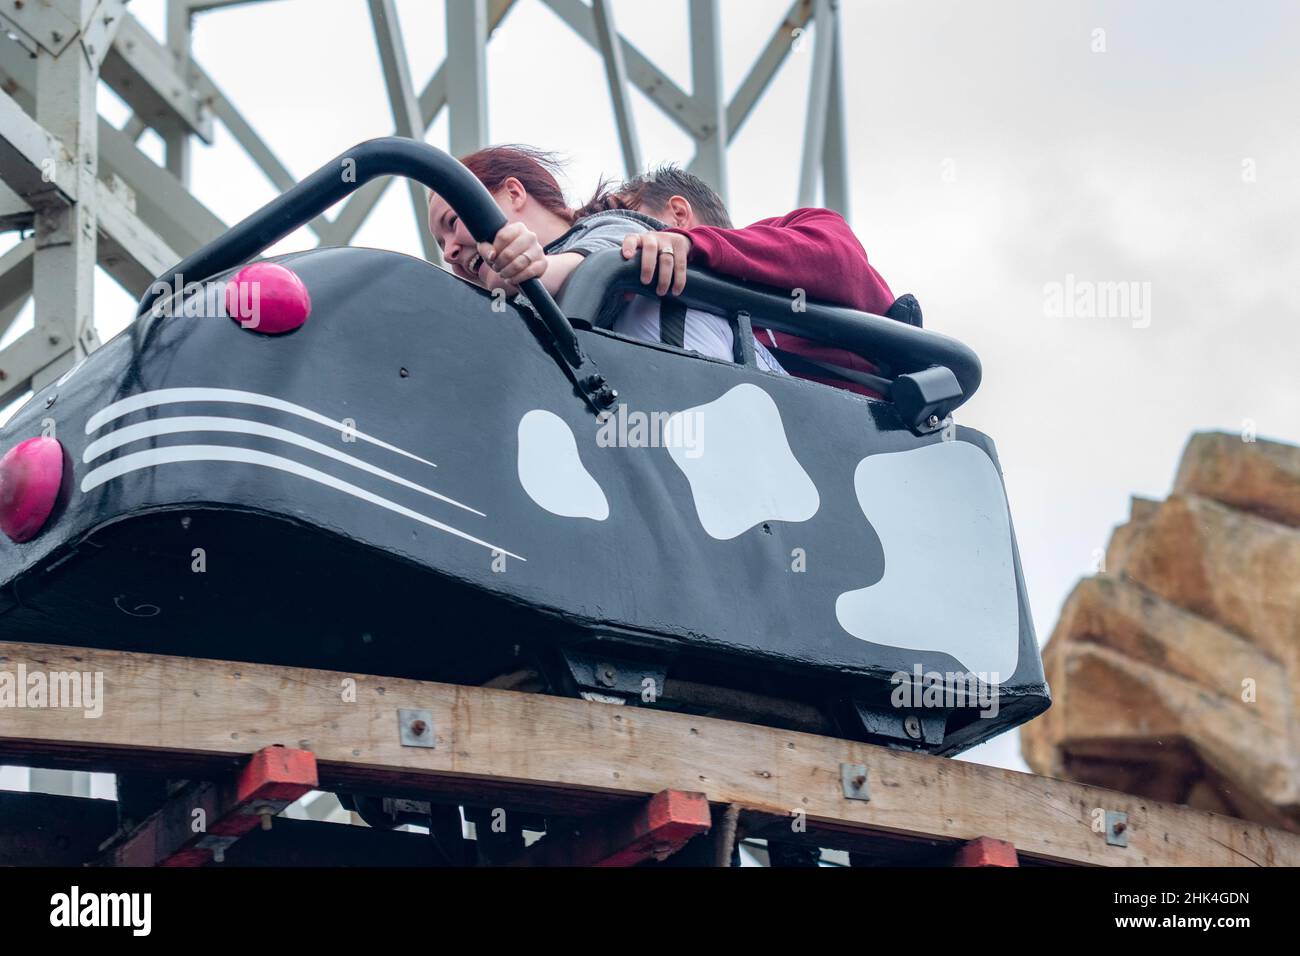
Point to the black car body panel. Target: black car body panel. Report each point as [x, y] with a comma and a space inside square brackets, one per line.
[371, 492]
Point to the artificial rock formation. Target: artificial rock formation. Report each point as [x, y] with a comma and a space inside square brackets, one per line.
[1175, 673]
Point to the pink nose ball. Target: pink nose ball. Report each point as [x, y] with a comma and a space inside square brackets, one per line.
[30, 475]
[267, 297]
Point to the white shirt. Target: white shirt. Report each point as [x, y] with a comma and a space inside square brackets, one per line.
[704, 332]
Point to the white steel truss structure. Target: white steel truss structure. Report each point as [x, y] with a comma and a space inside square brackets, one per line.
[88, 195]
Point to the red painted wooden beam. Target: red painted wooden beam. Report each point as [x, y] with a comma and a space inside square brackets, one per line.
[986, 852]
[656, 829]
[195, 826]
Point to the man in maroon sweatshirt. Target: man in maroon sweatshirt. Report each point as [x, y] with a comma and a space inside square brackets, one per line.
[812, 250]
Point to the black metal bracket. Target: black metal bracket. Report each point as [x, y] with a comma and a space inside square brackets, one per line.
[613, 677]
[926, 398]
[916, 731]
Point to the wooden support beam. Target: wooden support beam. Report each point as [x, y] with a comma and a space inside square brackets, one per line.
[203, 6]
[197, 825]
[35, 164]
[40, 829]
[242, 130]
[162, 202]
[405, 106]
[653, 831]
[15, 212]
[675, 103]
[16, 273]
[143, 72]
[29, 154]
[611, 51]
[768, 64]
[432, 99]
[193, 717]
[986, 852]
[129, 250]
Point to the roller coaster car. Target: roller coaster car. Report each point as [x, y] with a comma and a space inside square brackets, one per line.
[424, 480]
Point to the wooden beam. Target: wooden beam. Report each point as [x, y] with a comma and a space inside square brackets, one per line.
[768, 64]
[611, 51]
[432, 99]
[162, 202]
[35, 164]
[15, 213]
[40, 829]
[143, 73]
[204, 6]
[406, 108]
[199, 824]
[129, 250]
[193, 717]
[675, 103]
[653, 831]
[986, 852]
[16, 272]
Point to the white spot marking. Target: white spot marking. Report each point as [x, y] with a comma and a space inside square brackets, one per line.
[949, 583]
[551, 471]
[740, 466]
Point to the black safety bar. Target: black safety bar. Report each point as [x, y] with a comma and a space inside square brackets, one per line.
[904, 348]
[388, 156]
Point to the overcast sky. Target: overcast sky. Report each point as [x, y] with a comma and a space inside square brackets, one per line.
[996, 148]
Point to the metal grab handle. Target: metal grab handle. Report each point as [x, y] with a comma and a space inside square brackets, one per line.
[346, 173]
[904, 347]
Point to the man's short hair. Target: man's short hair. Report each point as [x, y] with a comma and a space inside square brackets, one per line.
[651, 191]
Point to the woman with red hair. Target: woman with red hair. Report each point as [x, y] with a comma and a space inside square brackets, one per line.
[544, 238]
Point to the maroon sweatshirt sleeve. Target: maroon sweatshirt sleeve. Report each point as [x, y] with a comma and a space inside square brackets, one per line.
[809, 249]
